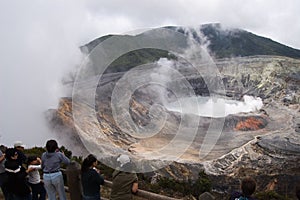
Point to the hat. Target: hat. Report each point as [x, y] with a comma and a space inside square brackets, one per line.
[123, 159]
[19, 144]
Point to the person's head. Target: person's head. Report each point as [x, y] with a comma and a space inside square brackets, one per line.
[3, 148]
[19, 145]
[51, 146]
[248, 186]
[11, 154]
[32, 160]
[89, 162]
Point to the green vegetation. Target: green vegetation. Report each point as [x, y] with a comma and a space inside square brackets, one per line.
[38, 151]
[270, 195]
[182, 188]
[128, 60]
[35, 151]
[136, 58]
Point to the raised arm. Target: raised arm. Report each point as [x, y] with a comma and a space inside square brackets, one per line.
[64, 159]
[2, 157]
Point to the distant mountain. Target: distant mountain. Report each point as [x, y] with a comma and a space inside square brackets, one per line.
[222, 43]
[237, 42]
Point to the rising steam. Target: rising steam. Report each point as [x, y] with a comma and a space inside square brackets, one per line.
[209, 107]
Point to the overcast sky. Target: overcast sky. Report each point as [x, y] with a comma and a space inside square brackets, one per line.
[39, 43]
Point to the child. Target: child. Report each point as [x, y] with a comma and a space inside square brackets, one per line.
[34, 179]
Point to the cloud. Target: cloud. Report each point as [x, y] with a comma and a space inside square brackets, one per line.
[268, 18]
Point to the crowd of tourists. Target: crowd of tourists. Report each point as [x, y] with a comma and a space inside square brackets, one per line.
[20, 177]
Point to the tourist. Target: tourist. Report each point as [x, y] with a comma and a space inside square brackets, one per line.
[248, 187]
[34, 179]
[3, 175]
[124, 183]
[16, 177]
[19, 147]
[91, 179]
[53, 178]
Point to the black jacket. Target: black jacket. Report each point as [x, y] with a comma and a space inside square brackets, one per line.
[91, 182]
[16, 178]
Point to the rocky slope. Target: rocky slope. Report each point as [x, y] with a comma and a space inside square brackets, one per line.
[263, 144]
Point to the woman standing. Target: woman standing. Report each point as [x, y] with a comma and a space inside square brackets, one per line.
[91, 179]
[53, 178]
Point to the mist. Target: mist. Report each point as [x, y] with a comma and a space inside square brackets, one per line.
[35, 54]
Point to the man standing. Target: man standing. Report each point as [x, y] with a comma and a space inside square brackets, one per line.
[125, 182]
[19, 146]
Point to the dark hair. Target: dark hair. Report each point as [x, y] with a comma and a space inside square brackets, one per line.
[88, 162]
[3, 148]
[30, 159]
[10, 152]
[248, 186]
[51, 146]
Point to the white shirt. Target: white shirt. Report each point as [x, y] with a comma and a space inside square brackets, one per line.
[34, 175]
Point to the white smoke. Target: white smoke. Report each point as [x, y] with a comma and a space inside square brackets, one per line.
[37, 49]
[160, 72]
[209, 107]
